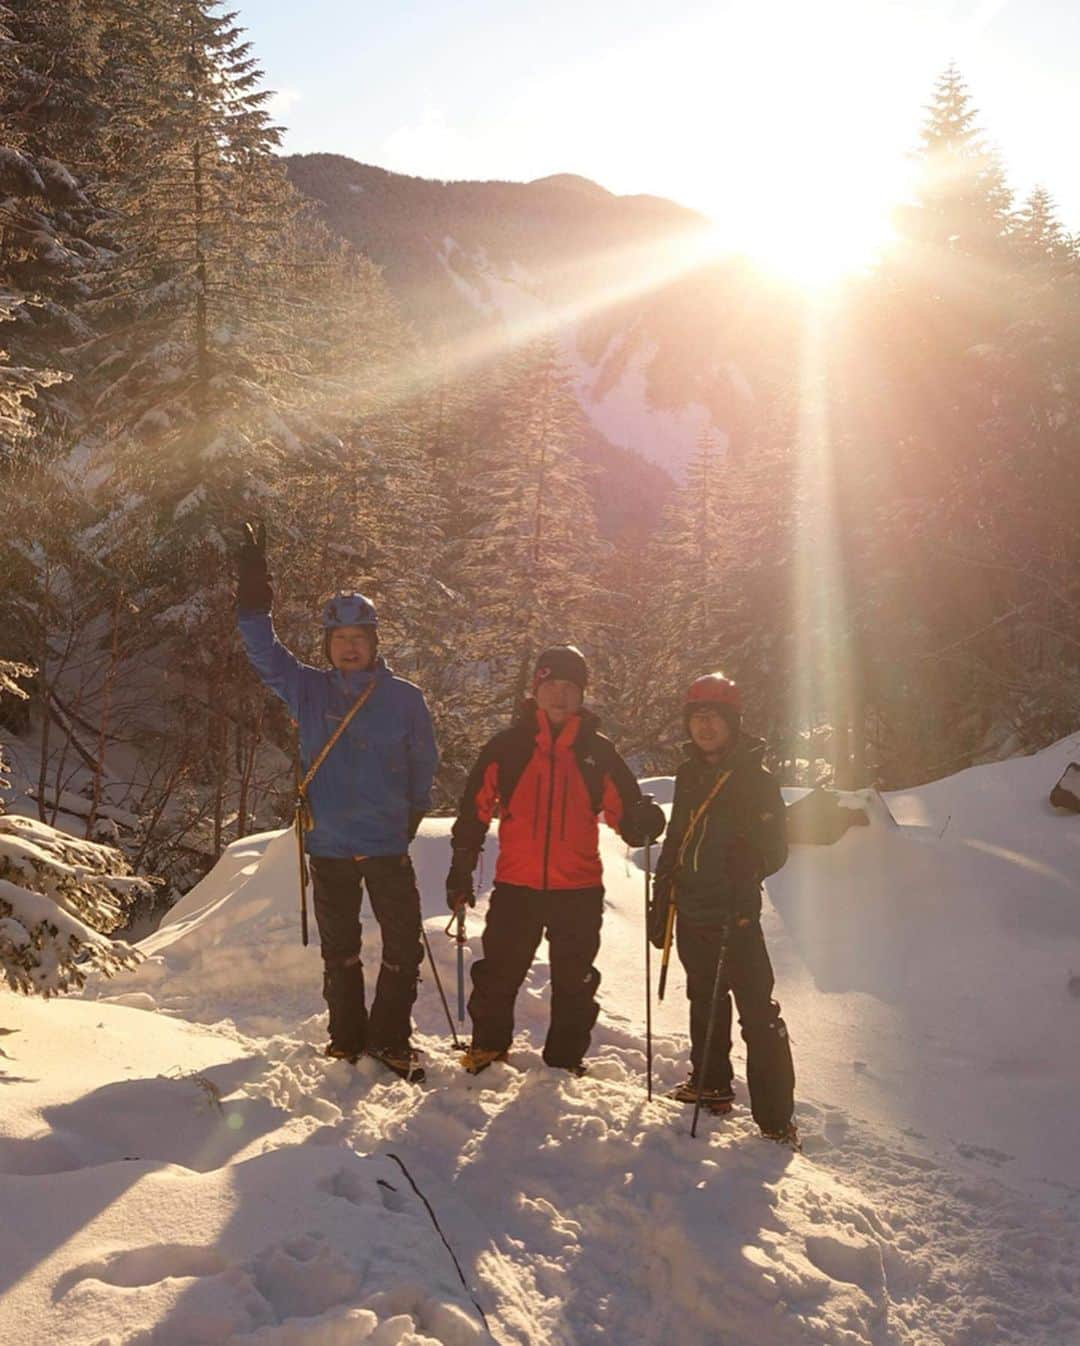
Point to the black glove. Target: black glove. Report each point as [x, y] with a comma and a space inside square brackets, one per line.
[658, 909]
[416, 817]
[459, 882]
[644, 822]
[253, 591]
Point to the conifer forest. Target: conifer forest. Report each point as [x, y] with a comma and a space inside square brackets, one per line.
[884, 552]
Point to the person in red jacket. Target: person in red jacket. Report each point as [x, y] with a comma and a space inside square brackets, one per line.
[548, 777]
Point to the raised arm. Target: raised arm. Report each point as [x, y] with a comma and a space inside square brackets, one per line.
[278, 667]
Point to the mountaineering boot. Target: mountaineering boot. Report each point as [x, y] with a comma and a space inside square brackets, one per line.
[717, 1101]
[404, 1062]
[786, 1135]
[336, 1053]
[476, 1059]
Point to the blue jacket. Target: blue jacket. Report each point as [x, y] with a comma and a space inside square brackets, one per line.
[381, 768]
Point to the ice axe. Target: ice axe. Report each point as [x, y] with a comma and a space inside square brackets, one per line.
[456, 930]
[665, 957]
[458, 1046]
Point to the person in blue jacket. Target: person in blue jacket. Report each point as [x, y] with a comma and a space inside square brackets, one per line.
[367, 799]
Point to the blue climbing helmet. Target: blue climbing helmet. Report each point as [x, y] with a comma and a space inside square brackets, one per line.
[348, 609]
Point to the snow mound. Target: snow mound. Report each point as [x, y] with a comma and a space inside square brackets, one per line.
[924, 961]
[233, 1185]
[231, 948]
[261, 1194]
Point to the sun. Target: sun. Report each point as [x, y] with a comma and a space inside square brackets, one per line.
[799, 155]
[815, 218]
[808, 249]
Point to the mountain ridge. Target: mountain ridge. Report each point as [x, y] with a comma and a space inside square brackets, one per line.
[666, 339]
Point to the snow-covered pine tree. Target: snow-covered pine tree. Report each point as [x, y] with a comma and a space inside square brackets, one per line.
[50, 119]
[914, 399]
[361, 509]
[19, 388]
[199, 373]
[717, 589]
[962, 200]
[1038, 239]
[536, 562]
[59, 897]
[453, 415]
[685, 603]
[1018, 535]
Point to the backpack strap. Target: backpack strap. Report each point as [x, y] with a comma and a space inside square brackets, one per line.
[303, 809]
[698, 815]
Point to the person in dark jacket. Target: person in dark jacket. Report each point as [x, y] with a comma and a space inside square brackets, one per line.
[367, 800]
[548, 777]
[726, 834]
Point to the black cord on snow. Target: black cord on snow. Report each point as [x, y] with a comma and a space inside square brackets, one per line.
[438, 1229]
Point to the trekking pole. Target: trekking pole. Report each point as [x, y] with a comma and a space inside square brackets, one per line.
[461, 963]
[665, 957]
[648, 973]
[299, 827]
[717, 983]
[442, 993]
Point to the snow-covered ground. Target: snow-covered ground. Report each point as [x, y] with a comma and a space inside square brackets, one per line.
[179, 1165]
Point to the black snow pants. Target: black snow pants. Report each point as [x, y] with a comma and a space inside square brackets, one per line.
[339, 889]
[748, 975]
[517, 919]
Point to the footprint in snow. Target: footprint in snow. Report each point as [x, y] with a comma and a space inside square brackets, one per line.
[986, 1152]
[139, 1267]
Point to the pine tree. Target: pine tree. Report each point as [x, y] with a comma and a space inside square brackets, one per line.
[532, 553]
[913, 400]
[962, 199]
[1038, 239]
[51, 115]
[59, 897]
[686, 606]
[201, 406]
[19, 388]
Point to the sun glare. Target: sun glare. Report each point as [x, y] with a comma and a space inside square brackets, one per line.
[813, 252]
[797, 155]
[817, 216]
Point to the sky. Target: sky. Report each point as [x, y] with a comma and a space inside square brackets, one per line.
[754, 114]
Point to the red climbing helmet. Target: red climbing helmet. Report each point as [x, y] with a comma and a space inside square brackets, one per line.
[713, 689]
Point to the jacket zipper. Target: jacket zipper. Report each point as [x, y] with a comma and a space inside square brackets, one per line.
[550, 810]
[562, 811]
[536, 809]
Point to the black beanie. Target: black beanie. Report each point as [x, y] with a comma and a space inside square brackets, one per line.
[563, 662]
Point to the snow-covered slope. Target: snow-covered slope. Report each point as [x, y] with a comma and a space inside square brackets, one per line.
[664, 336]
[164, 1182]
[612, 390]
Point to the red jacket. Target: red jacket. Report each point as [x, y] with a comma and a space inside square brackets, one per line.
[547, 793]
